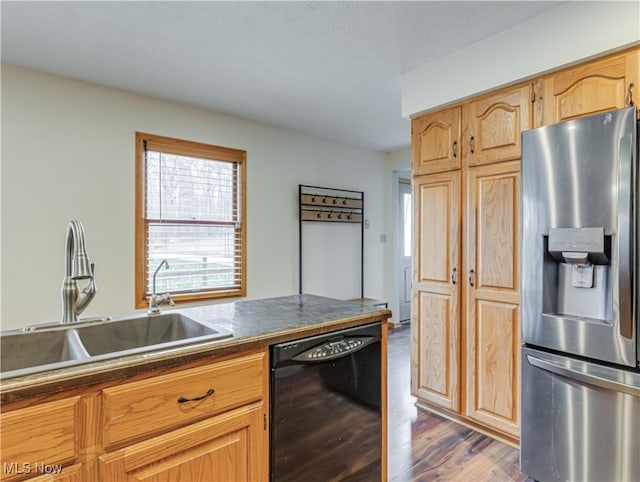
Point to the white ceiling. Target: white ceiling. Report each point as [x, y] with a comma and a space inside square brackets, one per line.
[330, 69]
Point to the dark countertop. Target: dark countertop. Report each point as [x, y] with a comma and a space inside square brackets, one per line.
[254, 323]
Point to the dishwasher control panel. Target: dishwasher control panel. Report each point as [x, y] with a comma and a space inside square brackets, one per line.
[326, 348]
[334, 349]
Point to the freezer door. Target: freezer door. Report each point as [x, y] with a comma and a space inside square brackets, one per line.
[578, 184]
[579, 421]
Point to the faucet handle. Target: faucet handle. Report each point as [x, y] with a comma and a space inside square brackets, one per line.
[87, 293]
[90, 289]
[156, 300]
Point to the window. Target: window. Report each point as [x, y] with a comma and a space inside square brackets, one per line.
[406, 206]
[190, 210]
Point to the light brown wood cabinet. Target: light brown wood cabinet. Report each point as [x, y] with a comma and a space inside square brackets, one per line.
[465, 334]
[492, 295]
[146, 407]
[466, 294]
[436, 337]
[492, 126]
[466, 178]
[205, 421]
[39, 438]
[591, 88]
[229, 447]
[435, 142]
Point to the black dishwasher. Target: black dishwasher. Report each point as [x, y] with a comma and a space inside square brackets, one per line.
[325, 407]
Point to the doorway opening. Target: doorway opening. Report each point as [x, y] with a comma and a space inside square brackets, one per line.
[403, 247]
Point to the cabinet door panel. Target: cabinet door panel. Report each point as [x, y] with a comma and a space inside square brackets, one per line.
[493, 125]
[231, 446]
[492, 295]
[208, 462]
[589, 88]
[435, 332]
[437, 378]
[492, 227]
[494, 399]
[496, 235]
[435, 141]
[436, 218]
[41, 434]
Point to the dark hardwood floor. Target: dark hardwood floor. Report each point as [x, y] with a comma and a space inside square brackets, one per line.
[425, 447]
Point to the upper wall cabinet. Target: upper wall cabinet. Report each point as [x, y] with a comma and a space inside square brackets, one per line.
[435, 142]
[590, 88]
[483, 131]
[492, 126]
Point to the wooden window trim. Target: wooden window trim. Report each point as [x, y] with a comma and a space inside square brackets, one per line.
[195, 149]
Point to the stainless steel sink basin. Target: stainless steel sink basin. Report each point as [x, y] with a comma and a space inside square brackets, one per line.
[57, 346]
[145, 333]
[20, 352]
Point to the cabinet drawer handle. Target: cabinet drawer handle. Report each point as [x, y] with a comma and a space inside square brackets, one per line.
[195, 399]
[471, 277]
[454, 276]
[454, 148]
[472, 145]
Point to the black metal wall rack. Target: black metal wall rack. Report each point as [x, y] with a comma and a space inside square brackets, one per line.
[329, 205]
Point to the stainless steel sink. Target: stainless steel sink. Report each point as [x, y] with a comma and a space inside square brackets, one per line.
[21, 352]
[145, 333]
[62, 345]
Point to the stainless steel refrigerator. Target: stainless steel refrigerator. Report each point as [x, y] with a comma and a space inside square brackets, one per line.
[580, 372]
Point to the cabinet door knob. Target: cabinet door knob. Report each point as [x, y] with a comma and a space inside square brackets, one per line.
[472, 277]
[472, 145]
[454, 276]
[454, 148]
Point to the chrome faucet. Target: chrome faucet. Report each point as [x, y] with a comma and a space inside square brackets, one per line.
[77, 267]
[155, 300]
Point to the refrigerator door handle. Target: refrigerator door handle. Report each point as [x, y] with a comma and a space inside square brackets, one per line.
[625, 243]
[587, 378]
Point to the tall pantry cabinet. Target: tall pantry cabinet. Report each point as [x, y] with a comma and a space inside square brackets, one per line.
[467, 188]
[466, 179]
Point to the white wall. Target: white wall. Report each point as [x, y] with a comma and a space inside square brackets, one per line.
[68, 152]
[563, 35]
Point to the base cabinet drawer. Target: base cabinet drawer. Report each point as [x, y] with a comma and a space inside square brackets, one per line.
[148, 407]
